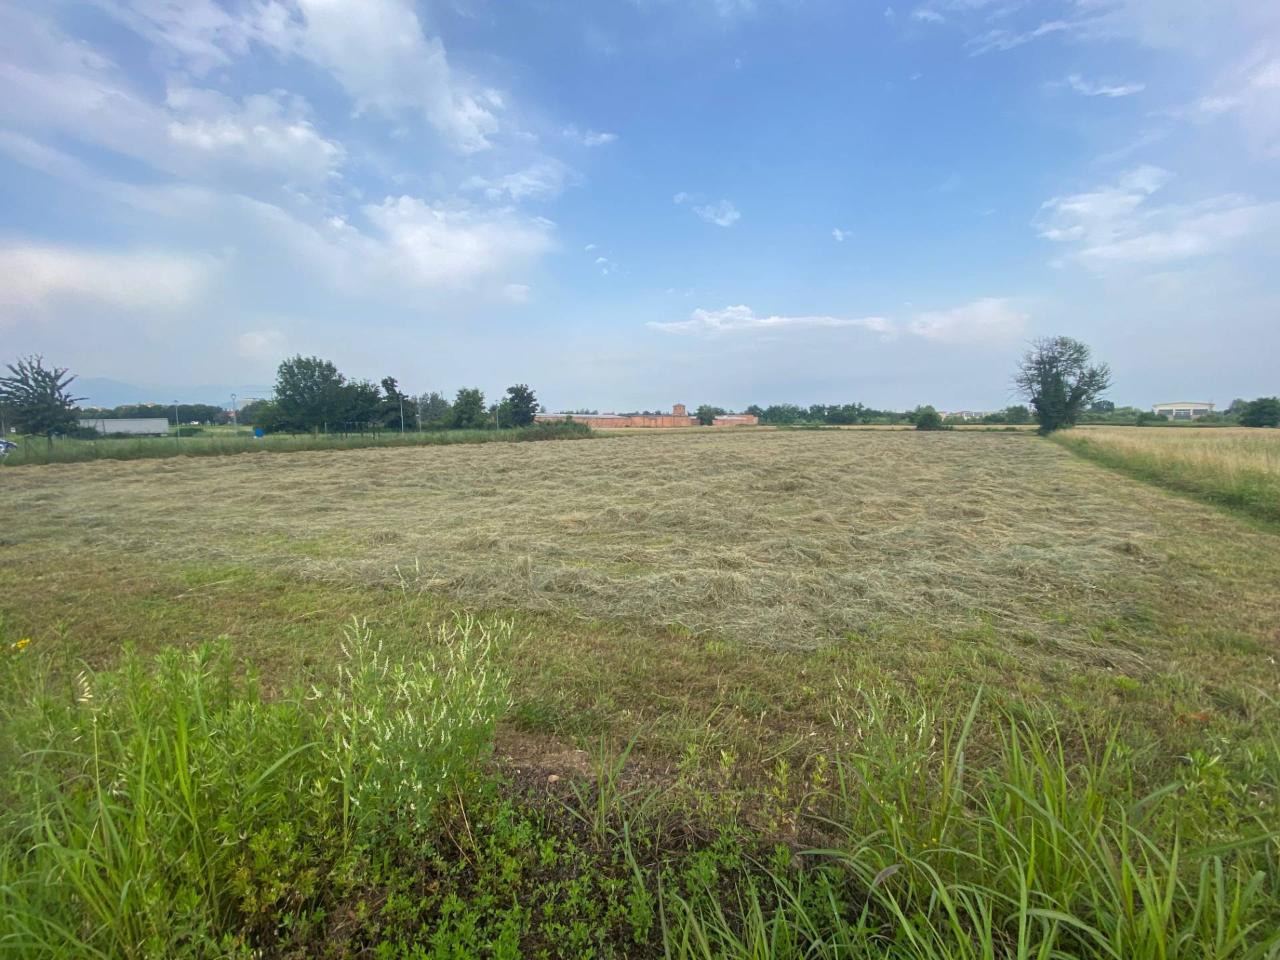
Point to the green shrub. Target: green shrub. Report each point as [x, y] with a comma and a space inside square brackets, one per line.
[927, 418]
[1263, 412]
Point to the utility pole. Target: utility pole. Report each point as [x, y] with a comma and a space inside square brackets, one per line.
[402, 416]
[177, 428]
[235, 420]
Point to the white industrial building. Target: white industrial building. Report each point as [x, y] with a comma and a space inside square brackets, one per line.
[134, 426]
[1182, 410]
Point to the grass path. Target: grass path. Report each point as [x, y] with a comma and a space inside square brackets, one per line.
[1234, 468]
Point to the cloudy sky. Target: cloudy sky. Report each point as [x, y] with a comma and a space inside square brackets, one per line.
[627, 203]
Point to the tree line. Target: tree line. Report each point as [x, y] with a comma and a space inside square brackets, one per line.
[1062, 385]
[311, 395]
[188, 413]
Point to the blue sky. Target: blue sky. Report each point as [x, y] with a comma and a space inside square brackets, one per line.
[631, 203]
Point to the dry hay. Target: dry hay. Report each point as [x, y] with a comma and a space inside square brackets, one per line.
[782, 538]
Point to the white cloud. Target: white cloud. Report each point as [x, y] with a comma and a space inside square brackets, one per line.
[1118, 224]
[256, 344]
[1003, 38]
[435, 245]
[1249, 94]
[58, 87]
[722, 213]
[925, 15]
[991, 319]
[542, 180]
[840, 236]
[266, 133]
[378, 52]
[34, 277]
[588, 138]
[1090, 88]
[742, 319]
[376, 49]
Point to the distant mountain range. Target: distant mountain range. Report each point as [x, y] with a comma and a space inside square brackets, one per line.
[104, 392]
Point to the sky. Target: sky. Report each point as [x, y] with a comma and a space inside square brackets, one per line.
[630, 203]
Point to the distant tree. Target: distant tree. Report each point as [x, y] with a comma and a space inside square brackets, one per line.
[1017, 414]
[309, 393]
[434, 411]
[360, 406]
[845, 413]
[781, 414]
[251, 412]
[1102, 406]
[707, 414]
[36, 399]
[1056, 376]
[1237, 407]
[397, 405]
[927, 418]
[754, 410]
[468, 410]
[265, 414]
[1263, 412]
[521, 404]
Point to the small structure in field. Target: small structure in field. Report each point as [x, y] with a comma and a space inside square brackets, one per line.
[133, 426]
[678, 417]
[1182, 410]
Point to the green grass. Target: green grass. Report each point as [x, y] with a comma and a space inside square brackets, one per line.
[1236, 468]
[36, 450]
[167, 808]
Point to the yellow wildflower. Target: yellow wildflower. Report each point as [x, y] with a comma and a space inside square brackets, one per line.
[21, 644]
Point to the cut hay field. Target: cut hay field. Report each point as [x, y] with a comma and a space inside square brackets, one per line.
[1038, 693]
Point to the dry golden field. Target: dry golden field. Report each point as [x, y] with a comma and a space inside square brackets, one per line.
[791, 539]
[901, 552]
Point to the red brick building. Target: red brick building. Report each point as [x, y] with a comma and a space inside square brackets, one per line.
[678, 417]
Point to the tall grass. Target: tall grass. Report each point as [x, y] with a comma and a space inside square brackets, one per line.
[66, 450]
[1238, 468]
[169, 810]
[1027, 855]
[172, 811]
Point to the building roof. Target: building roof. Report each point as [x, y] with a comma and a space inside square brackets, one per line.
[1184, 403]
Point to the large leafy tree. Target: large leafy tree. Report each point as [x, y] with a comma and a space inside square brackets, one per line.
[309, 393]
[1058, 379]
[468, 409]
[35, 397]
[521, 405]
[1263, 412]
